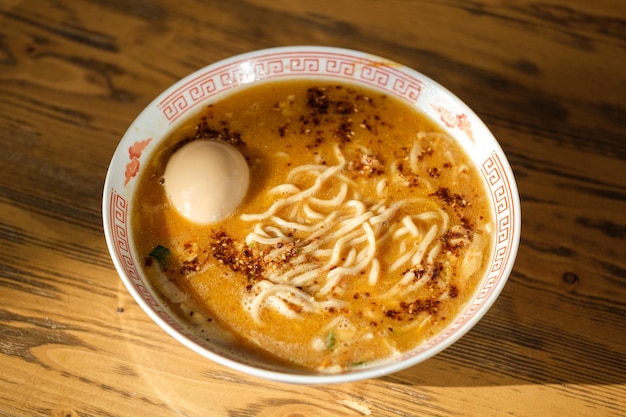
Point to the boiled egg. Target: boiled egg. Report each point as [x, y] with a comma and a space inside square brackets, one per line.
[206, 180]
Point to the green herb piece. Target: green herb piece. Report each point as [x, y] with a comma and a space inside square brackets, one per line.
[161, 254]
[330, 340]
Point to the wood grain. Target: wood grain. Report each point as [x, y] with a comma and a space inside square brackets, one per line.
[548, 78]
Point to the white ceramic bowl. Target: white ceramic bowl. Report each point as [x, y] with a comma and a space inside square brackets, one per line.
[207, 85]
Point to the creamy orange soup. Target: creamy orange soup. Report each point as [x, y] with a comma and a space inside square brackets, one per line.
[364, 231]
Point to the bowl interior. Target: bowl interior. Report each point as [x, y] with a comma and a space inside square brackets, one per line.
[214, 82]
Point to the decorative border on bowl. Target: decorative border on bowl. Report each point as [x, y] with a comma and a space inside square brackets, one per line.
[499, 186]
[118, 218]
[288, 64]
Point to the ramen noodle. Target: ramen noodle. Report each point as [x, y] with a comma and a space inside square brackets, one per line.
[364, 230]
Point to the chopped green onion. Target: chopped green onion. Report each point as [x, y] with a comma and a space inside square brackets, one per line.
[161, 254]
[330, 341]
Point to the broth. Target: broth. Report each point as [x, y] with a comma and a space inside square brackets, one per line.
[365, 229]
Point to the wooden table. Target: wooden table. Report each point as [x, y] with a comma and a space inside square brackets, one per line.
[549, 79]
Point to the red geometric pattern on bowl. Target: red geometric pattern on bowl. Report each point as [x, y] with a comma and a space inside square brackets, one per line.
[118, 217]
[499, 187]
[276, 65]
[119, 225]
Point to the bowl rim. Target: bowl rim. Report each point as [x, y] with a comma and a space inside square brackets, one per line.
[386, 367]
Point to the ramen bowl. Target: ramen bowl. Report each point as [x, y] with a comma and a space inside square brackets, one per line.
[185, 98]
